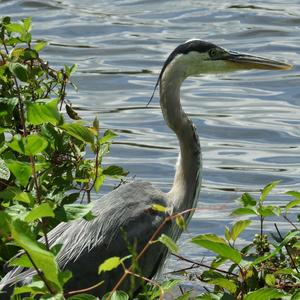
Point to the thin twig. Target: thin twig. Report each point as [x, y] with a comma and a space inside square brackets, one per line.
[41, 275]
[202, 265]
[84, 290]
[288, 220]
[153, 237]
[287, 249]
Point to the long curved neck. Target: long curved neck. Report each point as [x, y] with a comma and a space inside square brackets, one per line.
[186, 186]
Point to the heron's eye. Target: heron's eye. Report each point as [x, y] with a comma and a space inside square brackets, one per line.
[213, 52]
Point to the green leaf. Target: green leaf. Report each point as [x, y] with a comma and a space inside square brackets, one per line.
[19, 70]
[117, 295]
[43, 259]
[21, 170]
[35, 288]
[227, 233]
[270, 279]
[169, 243]
[29, 145]
[238, 228]
[294, 194]
[267, 189]
[292, 204]
[80, 132]
[27, 23]
[76, 211]
[40, 45]
[7, 105]
[264, 294]
[210, 237]
[296, 296]
[218, 247]
[180, 221]
[4, 170]
[269, 210]
[159, 208]
[98, 183]
[108, 135]
[109, 264]
[15, 27]
[22, 261]
[185, 296]
[40, 211]
[25, 198]
[247, 200]
[40, 112]
[114, 171]
[72, 113]
[244, 211]
[225, 283]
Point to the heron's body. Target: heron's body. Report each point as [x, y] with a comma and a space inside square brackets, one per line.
[125, 216]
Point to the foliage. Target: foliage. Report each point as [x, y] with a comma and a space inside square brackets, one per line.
[44, 168]
[267, 268]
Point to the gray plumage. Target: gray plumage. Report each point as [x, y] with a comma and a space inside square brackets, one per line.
[125, 217]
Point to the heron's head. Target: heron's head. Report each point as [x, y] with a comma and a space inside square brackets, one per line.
[199, 57]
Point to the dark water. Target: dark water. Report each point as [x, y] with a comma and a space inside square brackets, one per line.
[248, 121]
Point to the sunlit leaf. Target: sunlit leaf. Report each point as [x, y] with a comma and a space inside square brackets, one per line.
[218, 247]
[40, 211]
[29, 145]
[114, 171]
[292, 204]
[72, 113]
[108, 135]
[168, 242]
[238, 228]
[224, 283]
[247, 200]
[117, 295]
[244, 211]
[264, 294]
[21, 170]
[79, 131]
[43, 259]
[25, 198]
[74, 211]
[270, 279]
[40, 112]
[40, 45]
[22, 261]
[109, 264]
[267, 189]
[19, 70]
[159, 208]
[180, 221]
[269, 210]
[15, 27]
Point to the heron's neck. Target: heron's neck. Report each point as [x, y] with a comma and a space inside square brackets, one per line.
[187, 180]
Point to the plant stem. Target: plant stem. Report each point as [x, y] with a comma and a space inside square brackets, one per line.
[153, 237]
[287, 249]
[41, 275]
[199, 264]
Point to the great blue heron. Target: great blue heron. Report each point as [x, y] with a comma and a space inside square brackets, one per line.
[125, 216]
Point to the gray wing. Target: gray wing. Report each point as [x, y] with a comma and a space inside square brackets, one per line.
[122, 218]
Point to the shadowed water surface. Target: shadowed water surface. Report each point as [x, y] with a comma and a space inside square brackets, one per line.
[248, 121]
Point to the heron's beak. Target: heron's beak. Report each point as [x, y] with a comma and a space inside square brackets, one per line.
[245, 61]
